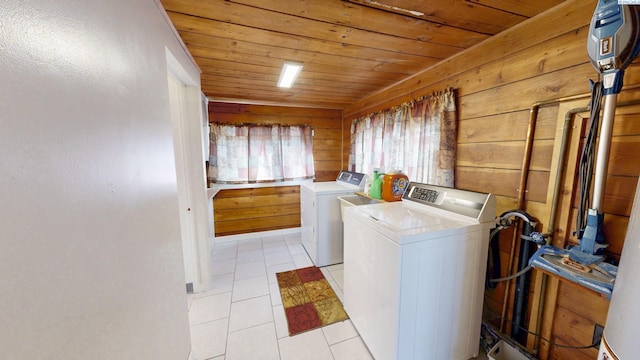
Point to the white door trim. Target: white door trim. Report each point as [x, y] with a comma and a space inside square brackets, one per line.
[187, 119]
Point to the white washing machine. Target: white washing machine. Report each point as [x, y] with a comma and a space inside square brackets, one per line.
[414, 272]
[321, 219]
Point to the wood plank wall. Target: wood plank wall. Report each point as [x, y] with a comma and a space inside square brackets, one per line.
[541, 60]
[238, 211]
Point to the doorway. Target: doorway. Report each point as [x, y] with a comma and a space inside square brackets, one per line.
[186, 122]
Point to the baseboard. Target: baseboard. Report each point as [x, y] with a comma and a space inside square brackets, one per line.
[253, 235]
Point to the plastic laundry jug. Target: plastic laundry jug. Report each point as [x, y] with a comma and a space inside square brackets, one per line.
[376, 185]
[393, 186]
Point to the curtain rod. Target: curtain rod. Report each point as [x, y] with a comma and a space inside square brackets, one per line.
[411, 102]
[257, 124]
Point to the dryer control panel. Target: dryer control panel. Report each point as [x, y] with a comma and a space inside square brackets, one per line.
[351, 178]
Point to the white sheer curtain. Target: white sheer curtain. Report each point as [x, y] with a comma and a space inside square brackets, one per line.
[417, 138]
[249, 153]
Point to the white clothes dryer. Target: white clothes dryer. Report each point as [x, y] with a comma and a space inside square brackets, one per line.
[414, 272]
[321, 219]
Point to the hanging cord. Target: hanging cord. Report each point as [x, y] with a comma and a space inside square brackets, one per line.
[503, 223]
[519, 273]
[587, 158]
[493, 259]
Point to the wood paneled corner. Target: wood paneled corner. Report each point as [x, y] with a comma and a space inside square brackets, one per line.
[328, 145]
[241, 211]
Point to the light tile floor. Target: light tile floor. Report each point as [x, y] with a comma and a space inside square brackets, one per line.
[242, 318]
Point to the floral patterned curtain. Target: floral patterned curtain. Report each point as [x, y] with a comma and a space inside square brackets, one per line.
[249, 153]
[417, 138]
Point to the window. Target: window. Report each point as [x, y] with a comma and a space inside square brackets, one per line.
[417, 138]
[250, 153]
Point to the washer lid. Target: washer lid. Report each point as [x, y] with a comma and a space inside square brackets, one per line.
[329, 187]
[347, 180]
[403, 219]
[429, 212]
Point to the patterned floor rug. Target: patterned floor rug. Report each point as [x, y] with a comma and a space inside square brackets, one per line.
[308, 299]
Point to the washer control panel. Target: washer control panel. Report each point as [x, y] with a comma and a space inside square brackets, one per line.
[428, 195]
[463, 202]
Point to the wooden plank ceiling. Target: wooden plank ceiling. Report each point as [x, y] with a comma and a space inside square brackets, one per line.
[349, 48]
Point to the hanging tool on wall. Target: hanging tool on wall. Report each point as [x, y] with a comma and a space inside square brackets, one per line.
[612, 45]
[613, 42]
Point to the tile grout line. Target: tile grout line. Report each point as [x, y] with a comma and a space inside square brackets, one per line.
[289, 246]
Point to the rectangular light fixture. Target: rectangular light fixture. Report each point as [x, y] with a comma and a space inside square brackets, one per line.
[289, 74]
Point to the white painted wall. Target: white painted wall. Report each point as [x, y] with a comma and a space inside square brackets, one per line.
[90, 254]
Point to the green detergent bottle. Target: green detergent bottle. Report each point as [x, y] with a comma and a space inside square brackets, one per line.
[376, 185]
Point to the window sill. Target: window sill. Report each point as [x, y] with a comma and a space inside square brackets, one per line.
[214, 188]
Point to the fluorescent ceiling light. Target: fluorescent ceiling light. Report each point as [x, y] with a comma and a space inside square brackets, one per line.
[290, 71]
